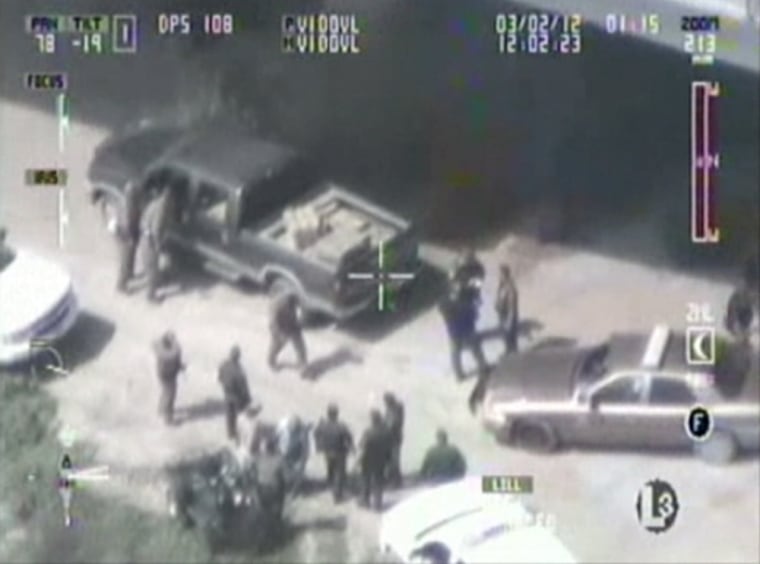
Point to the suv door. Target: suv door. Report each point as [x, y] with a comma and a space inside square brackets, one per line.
[207, 221]
[612, 411]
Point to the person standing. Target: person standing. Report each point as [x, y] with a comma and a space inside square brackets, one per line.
[153, 227]
[270, 470]
[740, 312]
[443, 462]
[284, 328]
[128, 235]
[468, 270]
[237, 396]
[506, 306]
[460, 313]
[335, 441]
[373, 459]
[394, 421]
[169, 364]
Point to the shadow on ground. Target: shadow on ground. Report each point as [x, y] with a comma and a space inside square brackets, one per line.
[207, 409]
[339, 357]
[373, 325]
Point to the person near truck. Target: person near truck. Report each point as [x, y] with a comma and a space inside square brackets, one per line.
[128, 235]
[459, 309]
[153, 228]
[168, 366]
[285, 327]
[237, 396]
[334, 440]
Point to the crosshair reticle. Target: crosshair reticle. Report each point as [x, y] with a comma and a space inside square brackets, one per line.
[383, 278]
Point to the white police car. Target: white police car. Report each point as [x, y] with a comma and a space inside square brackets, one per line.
[457, 523]
[37, 304]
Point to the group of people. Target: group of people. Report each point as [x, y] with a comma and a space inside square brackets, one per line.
[379, 456]
[460, 309]
[144, 227]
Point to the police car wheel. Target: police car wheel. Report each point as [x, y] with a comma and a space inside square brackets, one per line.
[720, 448]
[536, 437]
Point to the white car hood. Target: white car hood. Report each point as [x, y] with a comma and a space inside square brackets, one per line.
[458, 514]
[30, 287]
[536, 544]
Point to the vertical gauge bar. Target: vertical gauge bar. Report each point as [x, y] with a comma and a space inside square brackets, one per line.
[704, 162]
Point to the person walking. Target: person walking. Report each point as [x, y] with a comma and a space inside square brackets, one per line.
[334, 440]
[284, 328]
[168, 366]
[506, 306]
[374, 451]
[460, 312]
[394, 422]
[237, 396]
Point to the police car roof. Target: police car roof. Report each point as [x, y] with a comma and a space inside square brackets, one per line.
[230, 157]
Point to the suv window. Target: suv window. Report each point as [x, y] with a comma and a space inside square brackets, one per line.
[273, 194]
[211, 203]
[668, 391]
[626, 389]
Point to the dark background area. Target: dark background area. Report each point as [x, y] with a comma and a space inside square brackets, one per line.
[430, 119]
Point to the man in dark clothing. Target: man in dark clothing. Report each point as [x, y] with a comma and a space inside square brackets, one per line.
[270, 470]
[373, 459]
[128, 235]
[443, 462]
[169, 365]
[468, 270]
[460, 314]
[507, 308]
[153, 226]
[740, 312]
[394, 422]
[334, 439]
[285, 327]
[236, 393]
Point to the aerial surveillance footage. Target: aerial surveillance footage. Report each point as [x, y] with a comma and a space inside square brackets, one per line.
[430, 281]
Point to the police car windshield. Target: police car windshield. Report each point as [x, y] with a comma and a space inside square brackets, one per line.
[592, 365]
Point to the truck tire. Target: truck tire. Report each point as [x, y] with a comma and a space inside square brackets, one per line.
[719, 448]
[535, 436]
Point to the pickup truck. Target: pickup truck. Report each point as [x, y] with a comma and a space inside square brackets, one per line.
[253, 210]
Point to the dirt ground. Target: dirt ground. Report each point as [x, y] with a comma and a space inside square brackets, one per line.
[110, 398]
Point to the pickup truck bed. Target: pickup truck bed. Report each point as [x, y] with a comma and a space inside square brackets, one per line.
[329, 227]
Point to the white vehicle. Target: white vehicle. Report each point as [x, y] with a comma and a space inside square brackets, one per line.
[459, 524]
[37, 304]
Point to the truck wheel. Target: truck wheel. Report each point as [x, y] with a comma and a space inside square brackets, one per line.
[720, 448]
[109, 214]
[536, 437]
